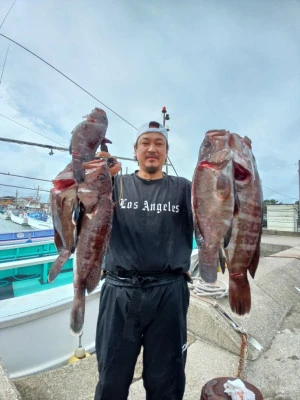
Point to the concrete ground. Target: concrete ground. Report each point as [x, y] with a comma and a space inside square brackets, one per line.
[273, 327]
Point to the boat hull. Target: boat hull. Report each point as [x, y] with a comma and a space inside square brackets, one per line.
[38, 224]
[35, 334]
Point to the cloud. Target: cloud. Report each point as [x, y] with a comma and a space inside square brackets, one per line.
[230, 65]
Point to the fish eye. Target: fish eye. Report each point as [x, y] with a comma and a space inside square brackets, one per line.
[207, 144]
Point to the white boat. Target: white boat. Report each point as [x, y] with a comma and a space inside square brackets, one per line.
[35, 315]
[19, 218]
[40, 224]
[35, 334]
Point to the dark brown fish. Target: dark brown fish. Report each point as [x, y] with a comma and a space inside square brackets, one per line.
[244, 246]
[213, 200]
[95, 195]
[65, 210]
[86, 138]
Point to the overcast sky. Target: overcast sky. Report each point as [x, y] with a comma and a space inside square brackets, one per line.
[231, 64]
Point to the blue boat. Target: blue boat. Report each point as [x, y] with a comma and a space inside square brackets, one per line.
[26, 236]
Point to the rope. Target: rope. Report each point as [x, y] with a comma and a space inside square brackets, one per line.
[203, 289]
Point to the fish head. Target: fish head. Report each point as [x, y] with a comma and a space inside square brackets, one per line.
[97, 176]
[97, 115]
[214, 151]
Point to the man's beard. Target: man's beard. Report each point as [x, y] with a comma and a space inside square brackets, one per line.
[152, 170]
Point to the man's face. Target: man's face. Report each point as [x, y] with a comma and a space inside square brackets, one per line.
[151, 152]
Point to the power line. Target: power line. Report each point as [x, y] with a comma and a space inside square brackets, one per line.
[7, 14]
[69, 79]
[48, 146]
[4, 64]
[279, 193]
[75, 83]
[22, 187]
[26, 177]
[32, 130]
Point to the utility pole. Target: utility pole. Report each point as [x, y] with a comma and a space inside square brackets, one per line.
[166, 117]
[298, 222]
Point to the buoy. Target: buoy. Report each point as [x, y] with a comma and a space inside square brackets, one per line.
[79, 353]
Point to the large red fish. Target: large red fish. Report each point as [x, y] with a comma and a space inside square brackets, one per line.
[65, 211]
[86, 138]
[213, 200]
[244, 246]
[95, 195]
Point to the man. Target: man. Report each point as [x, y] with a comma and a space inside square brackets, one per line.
[145, 297]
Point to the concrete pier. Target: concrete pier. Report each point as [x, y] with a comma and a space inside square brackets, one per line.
[273, 326]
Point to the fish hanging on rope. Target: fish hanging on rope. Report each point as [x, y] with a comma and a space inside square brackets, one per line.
[243, 249]
[87, 136]
[213, 200]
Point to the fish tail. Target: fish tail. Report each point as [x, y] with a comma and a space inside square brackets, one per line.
[208, 266]
[208, 273]
[58, 264]
[78, 310]
[239, 293]
[93, 279]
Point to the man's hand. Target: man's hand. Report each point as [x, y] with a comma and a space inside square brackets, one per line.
[113, 164]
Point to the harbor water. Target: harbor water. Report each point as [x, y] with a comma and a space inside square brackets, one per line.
[7, 226]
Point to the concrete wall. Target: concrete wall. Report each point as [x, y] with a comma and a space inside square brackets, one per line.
[282, 217]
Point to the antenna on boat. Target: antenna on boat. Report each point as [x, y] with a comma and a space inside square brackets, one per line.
[166, 117]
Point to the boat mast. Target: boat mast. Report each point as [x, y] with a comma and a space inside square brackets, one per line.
[166, 117]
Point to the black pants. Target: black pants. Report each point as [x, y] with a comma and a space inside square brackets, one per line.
[149, 312]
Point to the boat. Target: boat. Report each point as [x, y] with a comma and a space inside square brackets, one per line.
[30, 308]
[19, 217]
[39, 221]
[17, 238]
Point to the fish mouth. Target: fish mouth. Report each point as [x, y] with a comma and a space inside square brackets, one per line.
[210, 165]
[241, 174]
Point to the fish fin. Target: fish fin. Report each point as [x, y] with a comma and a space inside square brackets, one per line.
[239, 293]
[222, 259]
[198, 237]
[76, 213]
[227, 236]
[78, 310]
[58, 264]
[255, 260]
[78, 171]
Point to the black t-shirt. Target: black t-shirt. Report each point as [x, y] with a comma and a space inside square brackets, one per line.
[152, 225]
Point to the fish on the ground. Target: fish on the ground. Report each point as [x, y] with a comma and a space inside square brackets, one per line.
[65, 211]
[213, 200]
[95, 195]
[243, 249]
[87, 136]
